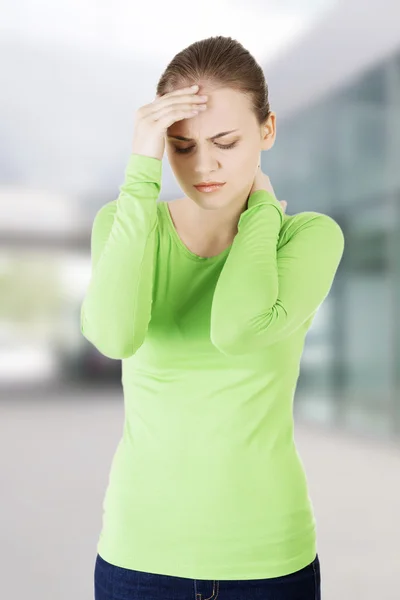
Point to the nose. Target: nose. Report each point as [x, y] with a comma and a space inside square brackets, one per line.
[205, 162]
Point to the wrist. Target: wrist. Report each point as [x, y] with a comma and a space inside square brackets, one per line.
[263, 197]
[256, 202]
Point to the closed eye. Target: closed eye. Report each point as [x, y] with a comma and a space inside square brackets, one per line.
[186, 150]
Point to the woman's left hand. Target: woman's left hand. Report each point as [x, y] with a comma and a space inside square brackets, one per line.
[262, 182]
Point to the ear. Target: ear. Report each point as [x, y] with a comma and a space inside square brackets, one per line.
[269, 132]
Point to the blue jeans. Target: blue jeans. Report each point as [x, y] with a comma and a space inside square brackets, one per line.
[117, 583]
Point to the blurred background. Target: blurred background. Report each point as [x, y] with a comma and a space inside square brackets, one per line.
[72, 76]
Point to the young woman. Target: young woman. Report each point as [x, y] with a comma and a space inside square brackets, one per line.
[207, 301]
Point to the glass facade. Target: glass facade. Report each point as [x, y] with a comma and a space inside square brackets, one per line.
[341, 156]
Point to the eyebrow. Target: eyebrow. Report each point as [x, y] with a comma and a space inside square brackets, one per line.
[214, 137]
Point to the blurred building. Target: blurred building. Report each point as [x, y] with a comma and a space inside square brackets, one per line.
[339, 153]
[336, 92]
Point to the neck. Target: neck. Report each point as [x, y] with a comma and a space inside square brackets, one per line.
[213, 225]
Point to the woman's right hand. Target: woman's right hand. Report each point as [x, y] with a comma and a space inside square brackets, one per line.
[152, 120]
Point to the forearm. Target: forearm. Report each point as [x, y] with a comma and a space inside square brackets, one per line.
[116, 309]
[247, 288]
[269, 287]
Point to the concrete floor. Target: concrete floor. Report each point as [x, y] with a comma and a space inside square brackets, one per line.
[55, 456]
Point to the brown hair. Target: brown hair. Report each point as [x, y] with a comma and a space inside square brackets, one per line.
[219, 61]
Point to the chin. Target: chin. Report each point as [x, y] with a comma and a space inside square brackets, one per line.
[212, 201]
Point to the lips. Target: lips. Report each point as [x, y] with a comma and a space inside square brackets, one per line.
[207, 185]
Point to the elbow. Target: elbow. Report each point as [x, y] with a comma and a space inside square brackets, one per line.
[111, 348]
[227, 331]
[229, 341]
[246, 337]
[108, 343]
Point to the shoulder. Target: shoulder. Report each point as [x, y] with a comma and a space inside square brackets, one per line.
[104, 217]
[313, 226]
[102, 224]
[105, 213]
[172, 208]
[307, 219]
[175, 204]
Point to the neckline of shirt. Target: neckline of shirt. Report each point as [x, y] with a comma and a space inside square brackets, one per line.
[183, 247]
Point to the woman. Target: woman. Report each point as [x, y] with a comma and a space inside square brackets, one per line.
[207, 302]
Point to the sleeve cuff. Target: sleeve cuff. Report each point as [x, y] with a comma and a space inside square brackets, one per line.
[262, 197]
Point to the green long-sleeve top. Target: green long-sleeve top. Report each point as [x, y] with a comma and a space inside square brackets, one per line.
[206, 481]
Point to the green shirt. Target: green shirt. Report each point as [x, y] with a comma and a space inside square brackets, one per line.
[206, 481]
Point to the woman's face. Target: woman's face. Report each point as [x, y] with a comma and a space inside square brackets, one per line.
[201, 158]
